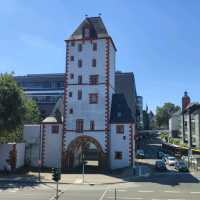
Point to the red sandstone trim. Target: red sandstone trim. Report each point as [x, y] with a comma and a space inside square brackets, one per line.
[65, 100]
[83, 40]
[131, 144]
[107, 100]
[43, 144]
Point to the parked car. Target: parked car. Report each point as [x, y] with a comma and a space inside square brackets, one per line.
[140, 153]
[165, 157]
[160, 165]
[171, 160]
[160, 154]
[181, 166]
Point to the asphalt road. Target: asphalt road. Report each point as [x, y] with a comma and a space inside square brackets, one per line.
[158, 187]
[26, 194]
[169, 185]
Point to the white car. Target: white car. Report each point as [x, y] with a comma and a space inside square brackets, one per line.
[171, 161]
[140, 153]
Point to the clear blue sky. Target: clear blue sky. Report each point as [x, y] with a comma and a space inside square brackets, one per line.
[159, 40]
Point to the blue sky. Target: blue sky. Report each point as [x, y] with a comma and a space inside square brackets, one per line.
[158, 40]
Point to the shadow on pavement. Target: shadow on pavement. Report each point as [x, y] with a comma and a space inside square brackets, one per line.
[18, 180]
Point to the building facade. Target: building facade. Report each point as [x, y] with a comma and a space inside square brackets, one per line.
[175, 127]
[45, 89]
[140, 112]
[98, 119]
[185, 124]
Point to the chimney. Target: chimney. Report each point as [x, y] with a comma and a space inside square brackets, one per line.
[185, 100]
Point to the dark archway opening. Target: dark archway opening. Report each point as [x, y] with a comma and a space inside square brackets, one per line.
[85, 150]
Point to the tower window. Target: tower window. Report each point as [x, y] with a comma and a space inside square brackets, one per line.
[79, 125]
[71, 111]
[72, 43]
[94, 46]
[93, 98]
[119, 114]
[118, 155]
[71, 58]
[94, 79]
[79, 94]
[71, 76]
[94, 62]
[80, 79]
[79, 63]
[92, 125]
[70, 94]
[79, 47]
[120, 129]
[55, 129]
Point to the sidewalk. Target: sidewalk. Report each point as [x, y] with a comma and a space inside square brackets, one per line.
[95, 179]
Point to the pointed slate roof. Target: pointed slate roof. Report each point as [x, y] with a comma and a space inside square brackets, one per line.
[125, 84]
[120, 112]
[96, 25]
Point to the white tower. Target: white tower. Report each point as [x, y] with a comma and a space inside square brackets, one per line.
[89, 85]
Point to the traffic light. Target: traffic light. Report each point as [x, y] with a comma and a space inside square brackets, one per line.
[56, 174]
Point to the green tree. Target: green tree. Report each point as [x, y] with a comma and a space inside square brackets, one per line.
[15, 109]
[164, 113]
[32, 114]
[12, 108]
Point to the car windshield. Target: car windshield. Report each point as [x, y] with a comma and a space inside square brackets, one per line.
[171, 158]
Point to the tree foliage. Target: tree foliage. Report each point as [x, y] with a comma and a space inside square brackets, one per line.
[32, 114]
[164, 113]
[15, 109]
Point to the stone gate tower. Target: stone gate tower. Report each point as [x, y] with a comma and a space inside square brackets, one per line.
[89, 86]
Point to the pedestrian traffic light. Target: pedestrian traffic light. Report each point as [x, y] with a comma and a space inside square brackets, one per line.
[55, 174]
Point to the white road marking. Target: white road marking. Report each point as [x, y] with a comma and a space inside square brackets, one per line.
[146, 191]
[194, 192]
[172, 191]
[121, 190]
[126, 198]
[175, 199]
[104, 193]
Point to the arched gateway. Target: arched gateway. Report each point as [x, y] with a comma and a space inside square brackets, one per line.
[84, 147]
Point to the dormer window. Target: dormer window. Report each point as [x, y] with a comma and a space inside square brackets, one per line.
[119, 114]
[86, 32]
